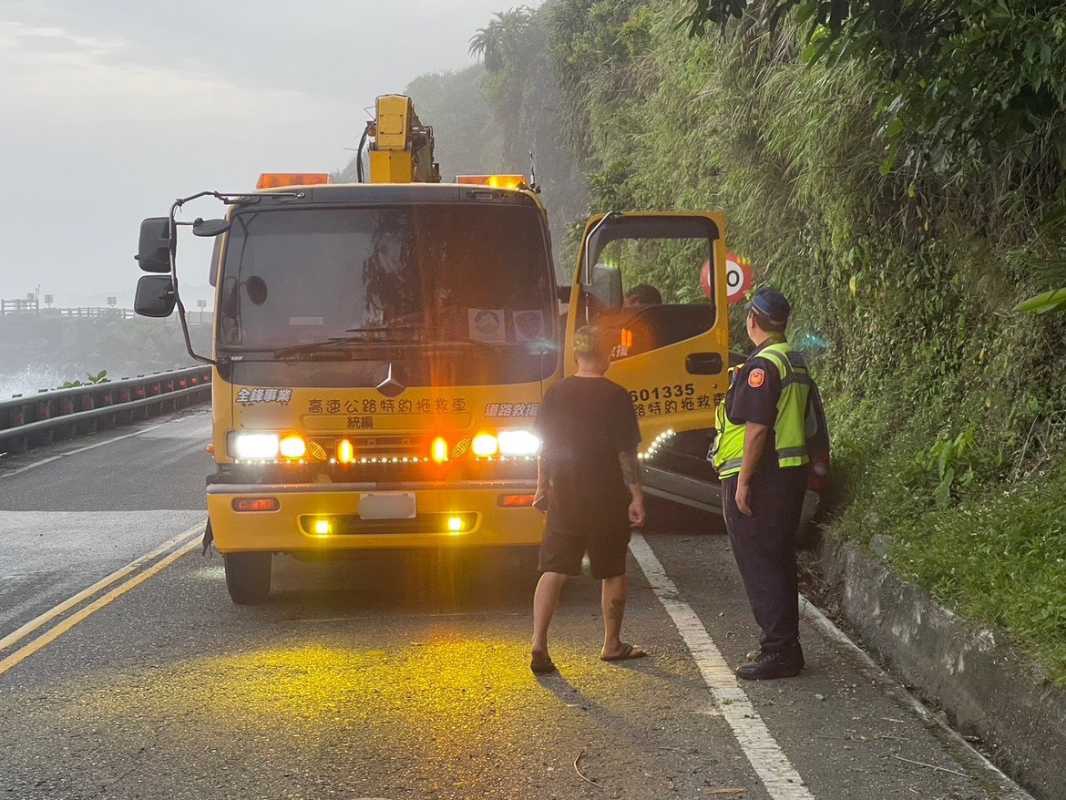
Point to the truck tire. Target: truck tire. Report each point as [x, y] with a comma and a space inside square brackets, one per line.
[247, 577]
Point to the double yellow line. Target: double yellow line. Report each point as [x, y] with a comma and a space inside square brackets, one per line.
[171, 550]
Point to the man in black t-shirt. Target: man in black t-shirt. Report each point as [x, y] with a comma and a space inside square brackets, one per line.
[590, 479]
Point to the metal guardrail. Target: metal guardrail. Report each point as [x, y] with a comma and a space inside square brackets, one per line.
[42, 418]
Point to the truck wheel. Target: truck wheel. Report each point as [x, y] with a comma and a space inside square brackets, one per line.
[248, 577]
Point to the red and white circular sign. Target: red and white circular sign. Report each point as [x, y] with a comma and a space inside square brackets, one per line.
[738, 277]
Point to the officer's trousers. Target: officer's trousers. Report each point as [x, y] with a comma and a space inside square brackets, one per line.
[764, 546]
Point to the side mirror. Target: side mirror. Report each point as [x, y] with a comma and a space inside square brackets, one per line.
[153, 250]
[155, 296]
[606, 287]
[562, 294]
[209, 227]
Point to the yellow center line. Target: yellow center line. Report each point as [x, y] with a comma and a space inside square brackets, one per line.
[54, 633]
[20, 633]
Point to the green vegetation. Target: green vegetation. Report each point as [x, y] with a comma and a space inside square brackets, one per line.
[963, 91]
[898, 170]
[90, 380]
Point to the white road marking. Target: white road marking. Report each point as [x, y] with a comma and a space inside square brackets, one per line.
[50, 459]
[825, 626]
[776, 772]
[42, 619]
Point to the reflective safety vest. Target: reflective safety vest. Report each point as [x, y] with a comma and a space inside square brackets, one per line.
[794, 422]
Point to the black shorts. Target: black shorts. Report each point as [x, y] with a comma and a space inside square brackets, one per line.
[561, 552]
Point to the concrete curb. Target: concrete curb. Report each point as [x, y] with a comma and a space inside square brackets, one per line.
[998, 784]
[985, 688]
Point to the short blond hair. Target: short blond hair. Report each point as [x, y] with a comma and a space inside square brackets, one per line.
[590, 342]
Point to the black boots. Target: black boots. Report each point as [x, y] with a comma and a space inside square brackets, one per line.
[766, 666]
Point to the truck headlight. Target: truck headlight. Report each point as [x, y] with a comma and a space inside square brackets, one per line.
[292, 446]
[519, 443]
[485, 445]
[254, 446]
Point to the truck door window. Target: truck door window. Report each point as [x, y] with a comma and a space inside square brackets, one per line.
[644, 283]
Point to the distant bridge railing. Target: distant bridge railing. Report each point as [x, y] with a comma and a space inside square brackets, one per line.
[10, 308]
[23, 308]
[42, 418]
[90, 312]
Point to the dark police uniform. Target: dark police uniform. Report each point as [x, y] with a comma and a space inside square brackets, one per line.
[764, 543]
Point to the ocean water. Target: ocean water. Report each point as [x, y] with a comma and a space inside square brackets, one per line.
[29, 379]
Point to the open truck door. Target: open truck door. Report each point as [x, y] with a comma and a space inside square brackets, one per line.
[672, 355]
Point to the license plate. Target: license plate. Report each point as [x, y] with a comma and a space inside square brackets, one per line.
[387, 505]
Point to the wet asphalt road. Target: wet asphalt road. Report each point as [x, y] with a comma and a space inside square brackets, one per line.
[66, 523]
[395, 676]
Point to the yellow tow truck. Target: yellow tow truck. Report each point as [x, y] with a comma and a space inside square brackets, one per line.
[381, 349]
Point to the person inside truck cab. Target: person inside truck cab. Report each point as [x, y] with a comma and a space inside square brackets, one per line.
[643, 294]
[639, 330]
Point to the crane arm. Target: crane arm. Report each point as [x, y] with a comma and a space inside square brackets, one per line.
[401, 149]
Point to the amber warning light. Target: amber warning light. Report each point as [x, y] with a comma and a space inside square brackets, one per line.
[274, 180]
[438, 450]
[493, 181]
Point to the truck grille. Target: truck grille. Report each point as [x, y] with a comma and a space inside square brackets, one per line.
[373, 449]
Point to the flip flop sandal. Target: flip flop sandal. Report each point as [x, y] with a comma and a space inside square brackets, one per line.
[541, 664]
[627, 653]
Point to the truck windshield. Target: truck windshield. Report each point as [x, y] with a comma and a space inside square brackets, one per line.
[405, 276]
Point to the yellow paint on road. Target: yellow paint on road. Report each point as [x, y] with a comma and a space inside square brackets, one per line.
[54, 633]
[22, 632]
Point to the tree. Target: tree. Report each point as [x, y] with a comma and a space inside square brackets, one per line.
[522, 88]
[510, 46]
[502, 38]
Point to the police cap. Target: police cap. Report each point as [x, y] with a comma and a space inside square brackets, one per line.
[771, 304]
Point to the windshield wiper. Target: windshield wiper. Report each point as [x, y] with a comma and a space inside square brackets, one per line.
[378, 334]
[531, 348]
[358, 336]
[336, 345]
[476, 343]
[386, 329]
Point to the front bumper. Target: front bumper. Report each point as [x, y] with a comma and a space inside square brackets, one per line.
[284, 530]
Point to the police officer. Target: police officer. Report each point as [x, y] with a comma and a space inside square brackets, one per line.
[761, 457]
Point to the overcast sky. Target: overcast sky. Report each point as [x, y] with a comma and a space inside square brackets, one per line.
[112, 109]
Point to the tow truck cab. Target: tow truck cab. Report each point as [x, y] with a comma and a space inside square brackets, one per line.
[381, 352]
